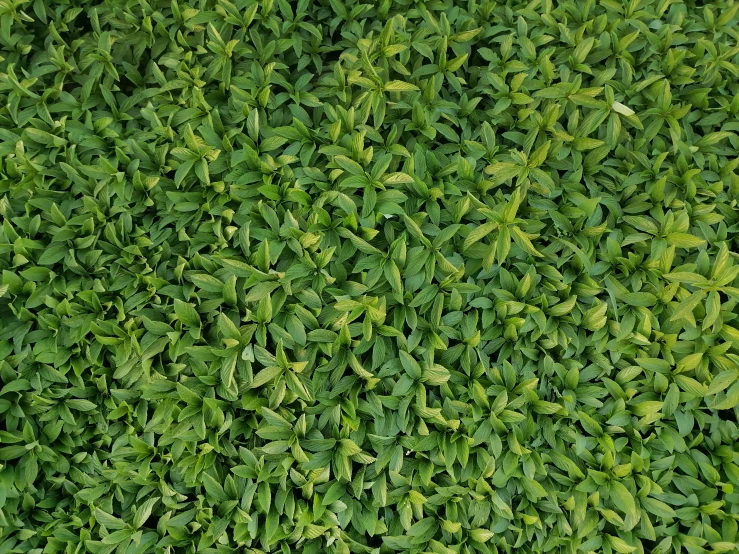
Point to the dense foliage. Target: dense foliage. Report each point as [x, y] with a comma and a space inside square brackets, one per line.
[375, 276]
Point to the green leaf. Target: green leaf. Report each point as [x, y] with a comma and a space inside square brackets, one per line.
[479, 233]
[265, 376]
[657, 507]
[619, 108]
[622, 499]
[186, 313]
[143, 512]
[501, 172]
[684, 240]
[411, 366]
[108, 521]
[399, 86]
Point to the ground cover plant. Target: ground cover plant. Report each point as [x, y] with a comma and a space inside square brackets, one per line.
[437, 276]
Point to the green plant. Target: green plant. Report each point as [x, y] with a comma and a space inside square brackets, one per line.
[422, 276]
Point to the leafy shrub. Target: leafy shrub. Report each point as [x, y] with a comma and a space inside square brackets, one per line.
[434, 276]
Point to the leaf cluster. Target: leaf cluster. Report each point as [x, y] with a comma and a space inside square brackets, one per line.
[418, 276]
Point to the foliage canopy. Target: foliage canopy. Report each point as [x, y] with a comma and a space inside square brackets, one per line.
[418, 276]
